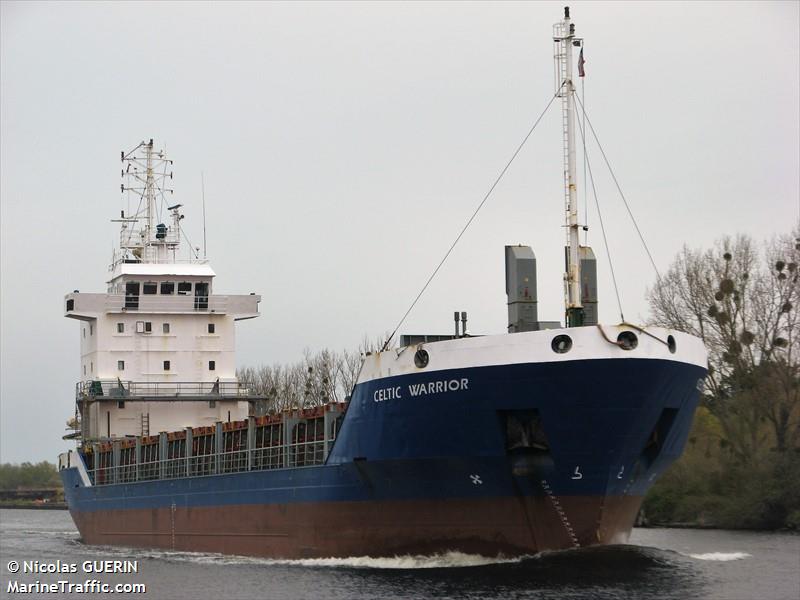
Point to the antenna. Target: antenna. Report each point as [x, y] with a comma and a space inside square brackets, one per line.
[203, 192]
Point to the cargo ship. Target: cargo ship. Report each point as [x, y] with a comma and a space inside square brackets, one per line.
[545, 437]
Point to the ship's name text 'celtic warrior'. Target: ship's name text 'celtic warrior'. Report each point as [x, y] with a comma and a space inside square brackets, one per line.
[421, 389]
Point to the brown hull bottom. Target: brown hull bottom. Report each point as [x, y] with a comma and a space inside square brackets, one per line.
[508, 526]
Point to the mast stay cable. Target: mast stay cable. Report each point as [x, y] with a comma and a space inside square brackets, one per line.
[600, 218]
[472, 218]
[585, 159]
[619, 189]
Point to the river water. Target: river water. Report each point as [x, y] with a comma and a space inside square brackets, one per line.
[658, 563]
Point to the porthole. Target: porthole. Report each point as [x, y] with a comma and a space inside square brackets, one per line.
[627, 340]
[561, 344]
[671, 344]
[421, 358]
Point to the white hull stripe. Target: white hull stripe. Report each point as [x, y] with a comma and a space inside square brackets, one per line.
[588, 343]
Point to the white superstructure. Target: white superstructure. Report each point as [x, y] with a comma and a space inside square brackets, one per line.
[158, 348]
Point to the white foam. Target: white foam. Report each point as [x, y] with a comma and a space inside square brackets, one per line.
[721, 556]
[446, 560]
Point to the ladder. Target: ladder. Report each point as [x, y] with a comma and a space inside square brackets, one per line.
[560, 80]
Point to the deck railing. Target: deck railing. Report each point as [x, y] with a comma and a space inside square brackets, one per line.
[117, 389]
[287, 456]
[179, 303]
[292, 439]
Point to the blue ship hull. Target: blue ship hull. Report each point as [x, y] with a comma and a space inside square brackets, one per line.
[432, 462]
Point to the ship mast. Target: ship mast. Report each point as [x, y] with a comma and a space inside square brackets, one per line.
[144, 237]
[564, 39]
[150, 192]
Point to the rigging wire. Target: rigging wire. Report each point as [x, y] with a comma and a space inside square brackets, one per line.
[585, 203]
[602, 225]
[472, 218]
[619, 189]
[186, 237]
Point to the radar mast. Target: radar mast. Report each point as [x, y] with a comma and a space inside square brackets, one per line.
[144, 236]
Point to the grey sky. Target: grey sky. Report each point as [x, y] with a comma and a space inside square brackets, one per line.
[344, 146]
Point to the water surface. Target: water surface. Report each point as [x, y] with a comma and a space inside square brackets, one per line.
[658, 563]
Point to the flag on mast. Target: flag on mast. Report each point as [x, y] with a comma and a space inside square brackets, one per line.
[581, 72]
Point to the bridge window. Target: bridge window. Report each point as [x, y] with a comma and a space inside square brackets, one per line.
[132, 295]
[150, 288]
[201, 295]
[184, 288]
[167, 288]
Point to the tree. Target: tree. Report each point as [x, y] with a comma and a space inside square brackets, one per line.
[28, 476]
[742, 303]
[319, 378]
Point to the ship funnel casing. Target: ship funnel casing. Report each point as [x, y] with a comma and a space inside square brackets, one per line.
[521, 290]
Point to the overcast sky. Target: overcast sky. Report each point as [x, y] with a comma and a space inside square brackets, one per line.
[345, 145]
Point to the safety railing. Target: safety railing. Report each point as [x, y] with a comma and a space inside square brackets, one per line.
[117, 389]
[178, 303]
[294, 455]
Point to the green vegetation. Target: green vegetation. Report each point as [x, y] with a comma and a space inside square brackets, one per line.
[741, 467]
[29, 476]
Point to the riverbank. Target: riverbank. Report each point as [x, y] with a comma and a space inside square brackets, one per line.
[34, 505]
